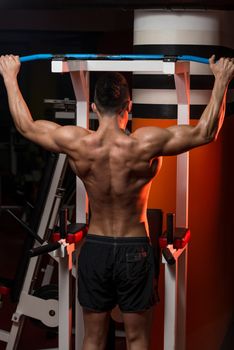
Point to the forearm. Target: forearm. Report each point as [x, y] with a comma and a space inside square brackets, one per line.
[19, 110]
[212, 118]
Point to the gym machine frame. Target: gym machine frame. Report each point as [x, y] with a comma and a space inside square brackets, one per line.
[175, 275]
[47, 311]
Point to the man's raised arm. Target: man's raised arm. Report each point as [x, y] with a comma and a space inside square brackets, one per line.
[181, 138]
[49, 135]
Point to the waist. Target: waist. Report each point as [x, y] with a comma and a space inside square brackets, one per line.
[112, 240]
[121, 228]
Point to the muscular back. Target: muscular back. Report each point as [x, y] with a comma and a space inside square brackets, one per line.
[117, 174]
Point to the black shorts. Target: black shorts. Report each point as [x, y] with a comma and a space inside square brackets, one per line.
[116, 271]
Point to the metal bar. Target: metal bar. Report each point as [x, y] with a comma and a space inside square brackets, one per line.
[61, 66]
[4, 336]
[182, 82]
[170, 308]
[65, 302]
[181, 300]
[183, 111]
[80, 81]
[176, 275]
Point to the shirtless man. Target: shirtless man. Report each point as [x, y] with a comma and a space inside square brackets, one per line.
[116, 260]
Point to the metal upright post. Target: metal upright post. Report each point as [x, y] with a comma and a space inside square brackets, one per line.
[182, 81]
[176, 275]
[64, 255]
[80, 81]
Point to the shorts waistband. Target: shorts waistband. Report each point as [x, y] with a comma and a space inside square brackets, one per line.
[116, 240]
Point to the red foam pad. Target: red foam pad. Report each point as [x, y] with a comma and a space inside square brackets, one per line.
[56, 237]
[180, 243]
[4, 290]
[162, 242]
[75, 237]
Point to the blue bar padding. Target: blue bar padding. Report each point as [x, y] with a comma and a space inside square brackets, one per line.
[41, 56]
[110, 57]
[193, 59]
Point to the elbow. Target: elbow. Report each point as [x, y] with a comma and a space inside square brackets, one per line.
[207, 136]
[211, 138]
[24, 129]
[206, 139]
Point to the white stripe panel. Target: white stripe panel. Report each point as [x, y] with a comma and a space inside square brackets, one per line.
[199, 68]
[195, 69]
[180, 37]
[164, 96]
[179, 20]
[189, 27]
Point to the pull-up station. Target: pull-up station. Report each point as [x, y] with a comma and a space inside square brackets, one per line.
[79, 66]
[176, 274]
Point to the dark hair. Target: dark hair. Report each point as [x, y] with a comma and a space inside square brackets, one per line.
[111, 93]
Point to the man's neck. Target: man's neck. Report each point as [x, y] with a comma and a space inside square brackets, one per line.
[114, 122]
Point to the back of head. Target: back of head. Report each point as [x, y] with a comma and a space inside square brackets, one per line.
[111, 93]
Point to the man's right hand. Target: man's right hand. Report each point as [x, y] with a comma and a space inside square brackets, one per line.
[222, 69]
